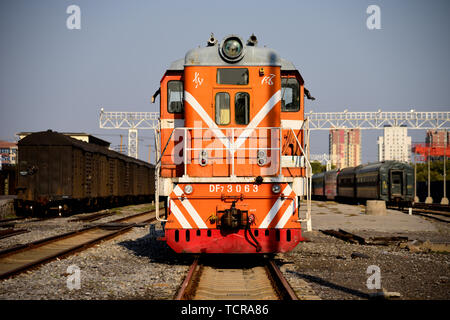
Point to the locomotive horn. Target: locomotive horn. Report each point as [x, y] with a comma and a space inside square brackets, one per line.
[212, 41]
[252, 41]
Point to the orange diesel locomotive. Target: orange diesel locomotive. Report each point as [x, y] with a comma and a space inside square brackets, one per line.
[231, 166]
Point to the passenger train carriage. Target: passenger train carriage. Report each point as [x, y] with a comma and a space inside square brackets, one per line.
[391, 181]
[232, 168]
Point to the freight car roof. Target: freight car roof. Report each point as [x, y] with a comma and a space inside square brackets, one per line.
[53, 138]
[77, 135]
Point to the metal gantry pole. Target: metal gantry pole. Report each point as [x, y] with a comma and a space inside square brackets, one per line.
[444, 200]
[429, 199]
[133, 143]
[416, 199]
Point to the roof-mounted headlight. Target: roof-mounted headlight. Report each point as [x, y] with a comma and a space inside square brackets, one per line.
[232, 48]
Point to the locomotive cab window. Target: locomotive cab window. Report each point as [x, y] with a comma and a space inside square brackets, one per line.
[290, 95]
[236, 76]
[222, 102]
[175, 96]
[242, 108]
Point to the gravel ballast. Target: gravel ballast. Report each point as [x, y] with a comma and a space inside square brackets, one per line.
[135, 265]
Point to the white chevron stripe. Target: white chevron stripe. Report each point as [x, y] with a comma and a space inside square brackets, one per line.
[190, 209]
[275, 208]
[286, 215]
[179, 215]
[248, 130]
[272, 213]
[258, 118]
[204, 115]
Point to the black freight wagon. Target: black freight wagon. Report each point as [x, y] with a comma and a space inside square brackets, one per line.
[60, 173]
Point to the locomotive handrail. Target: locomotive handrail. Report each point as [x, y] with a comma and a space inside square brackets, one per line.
[230, 146]
[309, 186]
[157, 169]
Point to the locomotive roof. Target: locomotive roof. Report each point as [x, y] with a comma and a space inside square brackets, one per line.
[253, 56]
[53, 138]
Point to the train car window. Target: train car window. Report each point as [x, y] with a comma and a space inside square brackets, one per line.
[236, 76]
[222, 108]
[290, 95]
[175, 96]
[242, 108]
[396, 178]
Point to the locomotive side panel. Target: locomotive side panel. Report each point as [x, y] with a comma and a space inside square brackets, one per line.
[292, 121]
[172, 117]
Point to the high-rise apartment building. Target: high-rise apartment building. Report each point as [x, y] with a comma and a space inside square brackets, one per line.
[394, 144]
[438, 138]
[345, 147]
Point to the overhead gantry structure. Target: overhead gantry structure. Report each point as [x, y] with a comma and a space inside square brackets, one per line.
[131, 121]
[424, 120]
[378, 120]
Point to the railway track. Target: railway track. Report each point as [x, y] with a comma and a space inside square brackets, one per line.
[432, 206]
[433, 211]
[93, 217]
[5, 233]
[236, 278]
[433, 214]
[20, 258]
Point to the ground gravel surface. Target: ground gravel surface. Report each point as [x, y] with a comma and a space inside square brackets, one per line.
[336, 269]
[134, 265]
[40, 229]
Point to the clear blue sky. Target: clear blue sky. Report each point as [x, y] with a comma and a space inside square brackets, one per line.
[52, 77]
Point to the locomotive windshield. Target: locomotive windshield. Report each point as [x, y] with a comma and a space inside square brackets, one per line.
[222, 108]
[236, 76]
[175, 96]
[290, 95]
[242, 107]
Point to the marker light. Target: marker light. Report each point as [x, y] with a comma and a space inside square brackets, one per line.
[188, 189]
[276, 188]
[261, 158]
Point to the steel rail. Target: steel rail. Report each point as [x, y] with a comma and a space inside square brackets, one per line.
[17, 259]
[203, 281]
